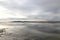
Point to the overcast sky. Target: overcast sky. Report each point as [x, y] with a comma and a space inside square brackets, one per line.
[45, 9]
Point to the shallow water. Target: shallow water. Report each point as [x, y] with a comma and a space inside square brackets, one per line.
[31, 31]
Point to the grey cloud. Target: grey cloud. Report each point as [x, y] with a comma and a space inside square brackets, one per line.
[28, 7]
[15, 5]
[31, 5]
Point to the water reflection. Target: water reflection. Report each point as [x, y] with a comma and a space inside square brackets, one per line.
[32, 31]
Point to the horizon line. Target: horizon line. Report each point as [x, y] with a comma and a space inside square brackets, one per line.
[35, 21]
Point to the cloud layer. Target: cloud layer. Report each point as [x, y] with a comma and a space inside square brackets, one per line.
[45, 9]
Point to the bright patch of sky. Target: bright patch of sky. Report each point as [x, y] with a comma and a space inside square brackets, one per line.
[5, 13]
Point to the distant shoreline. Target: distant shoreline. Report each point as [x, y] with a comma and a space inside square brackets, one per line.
[35, 21]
